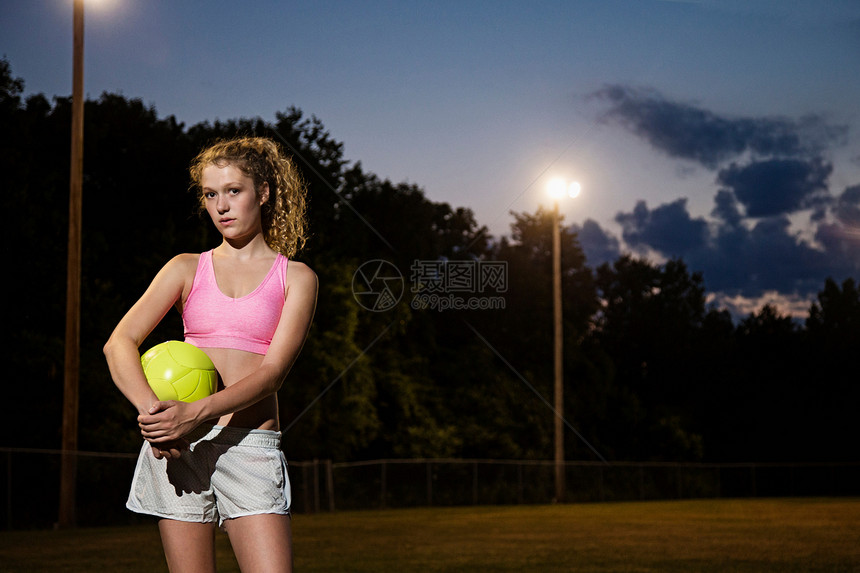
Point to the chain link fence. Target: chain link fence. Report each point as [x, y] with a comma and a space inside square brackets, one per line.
[29, 481]
[325, 486]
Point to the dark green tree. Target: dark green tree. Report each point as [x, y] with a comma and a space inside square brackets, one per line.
[647, 326]
[828, 389]
[510, 372]
[761, 403]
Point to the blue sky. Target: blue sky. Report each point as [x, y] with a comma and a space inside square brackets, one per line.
[725, 132]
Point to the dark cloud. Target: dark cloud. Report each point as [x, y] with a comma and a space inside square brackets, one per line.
[598, 245]
[726, 208]
[778, 186]
[735, 258]
[778, 259]
[668, 228]
[847, 207]
[841, 236]
[689, 132]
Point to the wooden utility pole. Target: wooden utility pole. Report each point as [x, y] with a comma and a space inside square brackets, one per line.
[557, 356]
[68, 468]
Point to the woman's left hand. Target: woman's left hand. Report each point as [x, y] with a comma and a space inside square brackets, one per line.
[166, 421]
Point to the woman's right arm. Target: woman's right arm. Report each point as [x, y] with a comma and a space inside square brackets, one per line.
[122, 348]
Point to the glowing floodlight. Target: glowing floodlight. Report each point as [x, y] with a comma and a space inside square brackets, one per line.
[559, 188]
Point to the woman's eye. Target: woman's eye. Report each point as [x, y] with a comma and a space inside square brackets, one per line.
[234, 191]
[209, 194]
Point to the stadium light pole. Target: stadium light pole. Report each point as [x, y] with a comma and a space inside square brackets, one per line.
[558, 189]
[68, 464]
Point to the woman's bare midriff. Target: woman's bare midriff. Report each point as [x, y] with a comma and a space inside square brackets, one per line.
[233, 365]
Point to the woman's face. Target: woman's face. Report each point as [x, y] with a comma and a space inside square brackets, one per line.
[232, 202]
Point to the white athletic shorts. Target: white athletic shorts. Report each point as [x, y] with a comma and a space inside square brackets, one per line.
[226, 473]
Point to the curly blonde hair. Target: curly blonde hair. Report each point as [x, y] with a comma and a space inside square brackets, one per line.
[261, 159]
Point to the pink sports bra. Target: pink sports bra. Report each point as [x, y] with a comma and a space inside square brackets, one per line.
[215, 320]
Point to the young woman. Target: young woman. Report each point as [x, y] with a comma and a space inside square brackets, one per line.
[218, 460]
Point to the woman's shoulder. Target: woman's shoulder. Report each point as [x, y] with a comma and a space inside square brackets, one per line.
[301, 274]
[185, 260]
[184, 264]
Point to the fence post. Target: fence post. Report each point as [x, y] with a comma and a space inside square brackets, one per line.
[8, 490]
[316, 485]
[329, 484]
[719, 482]
[429, 483]
[383, 485]
[474, 483]
[520, 492]
[600, 483]
[833, 480]
[793, 481]
[306, 490]
[752, 479]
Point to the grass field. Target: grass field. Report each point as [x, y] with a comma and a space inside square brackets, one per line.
[783, 535]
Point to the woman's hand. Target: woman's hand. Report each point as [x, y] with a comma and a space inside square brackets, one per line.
[169, 450]
[167, 422]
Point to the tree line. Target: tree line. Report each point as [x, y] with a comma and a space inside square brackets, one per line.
[652, 372]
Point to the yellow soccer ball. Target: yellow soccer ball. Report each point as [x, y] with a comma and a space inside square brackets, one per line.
[179, 371]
